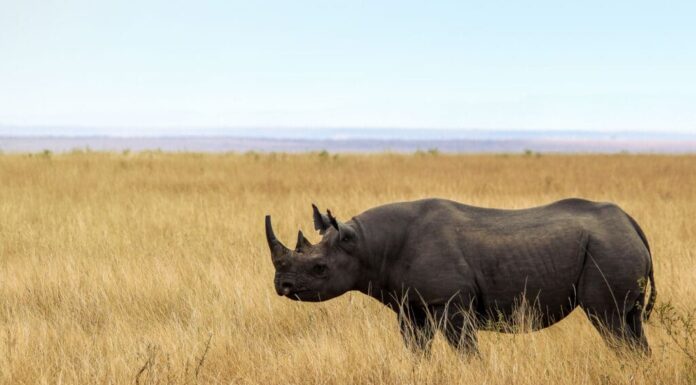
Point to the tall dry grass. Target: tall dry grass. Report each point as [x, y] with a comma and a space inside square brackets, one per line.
[152, 268]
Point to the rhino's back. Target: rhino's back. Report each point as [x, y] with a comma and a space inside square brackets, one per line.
[435, 214]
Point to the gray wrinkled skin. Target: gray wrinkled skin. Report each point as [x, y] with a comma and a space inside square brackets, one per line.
[444, 265]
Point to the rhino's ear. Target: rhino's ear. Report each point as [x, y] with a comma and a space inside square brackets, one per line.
[321, 221]
[345, 232]
[334, 222]
[302, 242]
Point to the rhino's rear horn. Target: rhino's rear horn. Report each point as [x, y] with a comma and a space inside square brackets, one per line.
[302, 242]
[278, 250]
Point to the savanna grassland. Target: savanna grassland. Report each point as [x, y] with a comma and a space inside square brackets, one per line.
[152, 268]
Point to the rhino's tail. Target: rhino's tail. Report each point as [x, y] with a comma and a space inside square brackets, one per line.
[651, 275]
[653, 295]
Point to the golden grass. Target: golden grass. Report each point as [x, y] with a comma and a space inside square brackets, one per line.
[153, 268]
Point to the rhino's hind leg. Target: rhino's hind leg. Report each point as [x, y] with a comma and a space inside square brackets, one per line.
[612, 293]
[635, 325]
[416, 328]
[621, 329]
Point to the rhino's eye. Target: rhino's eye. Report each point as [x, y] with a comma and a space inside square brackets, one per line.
[319, 269]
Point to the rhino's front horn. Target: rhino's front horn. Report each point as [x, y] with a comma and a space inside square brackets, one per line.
[277, 248]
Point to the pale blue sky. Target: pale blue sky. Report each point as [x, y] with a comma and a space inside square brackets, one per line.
[147, 66]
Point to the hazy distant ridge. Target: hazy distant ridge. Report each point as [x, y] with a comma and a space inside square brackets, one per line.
[241, 144]
[346, 133]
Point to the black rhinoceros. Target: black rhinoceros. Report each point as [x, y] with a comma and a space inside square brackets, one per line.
[457, 268]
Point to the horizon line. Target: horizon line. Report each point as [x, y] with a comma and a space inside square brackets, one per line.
[323, 133]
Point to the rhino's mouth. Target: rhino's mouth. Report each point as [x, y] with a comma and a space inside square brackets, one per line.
[303, 295]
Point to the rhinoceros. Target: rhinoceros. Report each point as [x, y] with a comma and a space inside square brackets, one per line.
[443, 265]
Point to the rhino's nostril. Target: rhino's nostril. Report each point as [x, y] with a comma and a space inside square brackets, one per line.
[286, 287]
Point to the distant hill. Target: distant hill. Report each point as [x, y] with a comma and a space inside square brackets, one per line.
[16, 139]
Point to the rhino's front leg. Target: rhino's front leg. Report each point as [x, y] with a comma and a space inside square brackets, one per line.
[459, 328]
[416, 328]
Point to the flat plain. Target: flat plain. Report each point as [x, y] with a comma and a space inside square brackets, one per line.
[152, 268]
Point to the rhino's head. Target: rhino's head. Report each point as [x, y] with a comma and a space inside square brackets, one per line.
[316, 272]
